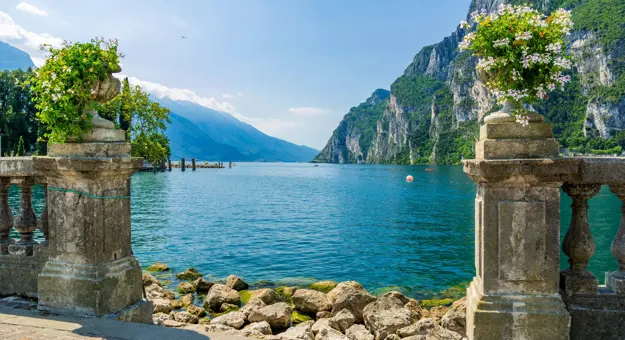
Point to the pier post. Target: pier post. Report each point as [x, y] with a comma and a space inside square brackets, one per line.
[193, 164]
[169, 164]
[229, 165]
[182, 164]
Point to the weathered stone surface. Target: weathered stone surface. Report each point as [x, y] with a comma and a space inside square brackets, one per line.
[158, 267]
[324, 286]
[189, 274]
[149, 280]
[186, 288]
[233, 319]
[173, 324]
[330, 334]
[393, 337]
[220, 328]
[277, 315]
[311, 301]
[385, 316]
[176, 304]
[415, 308]
[352, 296]
[253, 305]
[169, 295]
[359, 332]
[220, 294]
[197, 311]
[268, 296]
[342, 320]
[185, 317]
[435, 313]
[319, 325]
[456, 318]
[303, 331]
[228, 307]
[155, 291]
[202, 286]
[322, 315]
[236, 283]
[187, 300]
[256, 329]
[159, 318]
[95, 150]
[161, 306]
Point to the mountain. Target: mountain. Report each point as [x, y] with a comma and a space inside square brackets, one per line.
[199, 132]
[433, 109]
[12, 58]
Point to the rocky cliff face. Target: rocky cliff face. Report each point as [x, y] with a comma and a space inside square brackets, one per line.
[433, 110]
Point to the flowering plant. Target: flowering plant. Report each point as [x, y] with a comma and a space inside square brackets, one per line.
[521, 52]
[65, 87]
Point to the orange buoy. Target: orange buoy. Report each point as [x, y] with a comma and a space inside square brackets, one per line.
[409, 179]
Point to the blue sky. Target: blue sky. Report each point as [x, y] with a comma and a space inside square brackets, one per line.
[292, 68]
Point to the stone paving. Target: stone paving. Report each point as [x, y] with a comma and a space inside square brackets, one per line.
[22, 324]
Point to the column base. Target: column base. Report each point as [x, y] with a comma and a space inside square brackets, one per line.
[511, 317]
[599, 316]
[578, 282]
[89, 290]
[140, 312]
[615, 281]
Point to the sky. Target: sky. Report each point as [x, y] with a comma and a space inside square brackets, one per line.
[291, 68]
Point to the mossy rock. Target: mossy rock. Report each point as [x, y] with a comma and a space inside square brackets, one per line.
[286, 294]
[189, 274]
[436, 303]
[176, 304]
[323, 286]
[246, 296]
[298, 317]
[384, 290]
[185, 288]
[263, 284]
[158, 267]
[227, 308]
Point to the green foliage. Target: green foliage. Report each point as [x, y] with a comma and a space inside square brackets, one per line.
[604, 17]
[20, 147]
[17, 111]
[143, 121]
[65, 86]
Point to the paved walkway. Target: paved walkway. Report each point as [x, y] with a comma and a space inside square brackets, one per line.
[20, 324]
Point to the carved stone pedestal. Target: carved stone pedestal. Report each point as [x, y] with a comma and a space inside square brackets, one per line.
[91, 271]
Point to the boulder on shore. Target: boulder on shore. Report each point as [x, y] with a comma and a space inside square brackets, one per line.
[256, 329]
[311, 301]
[342, 320]
[386, 316]
[149, 280]
[158, 319]
[277, 315]
[202, 285]
[303, 331]
[220, 294]
[186, 288]
[253, 305]
[235, 320]
[324, 286]
[185, 317]
[236, 283]
[158, 267]
[187, 300]
[189, 274]
[352, 296]
[359, 332]
[197, 311]
[161, 306]
[456, 318]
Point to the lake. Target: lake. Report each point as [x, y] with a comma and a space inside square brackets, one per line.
[297, 223]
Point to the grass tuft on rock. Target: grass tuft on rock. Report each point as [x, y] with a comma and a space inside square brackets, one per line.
[297, 317]
[246, 296]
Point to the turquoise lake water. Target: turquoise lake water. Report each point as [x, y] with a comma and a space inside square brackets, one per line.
[297, 223]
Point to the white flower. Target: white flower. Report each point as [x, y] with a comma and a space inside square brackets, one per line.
[464, 24]
[464, 45]
[53, 76]
[17, 81]
[486, 64]
[516, 75]
[555, 48]
[92, 91]
[501, 42]
[475, 15]
[524, 36]
[540, 92]
[523, 120]
[551, 87]
[563, 62]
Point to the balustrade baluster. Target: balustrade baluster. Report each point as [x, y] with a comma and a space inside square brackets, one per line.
[26, 221]
[616, 280]
[43, 219]
[579, 244]
[6, 217]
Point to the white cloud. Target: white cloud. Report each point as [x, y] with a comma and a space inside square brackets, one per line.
[12, 33]
[270, 126]
[240, 94]
[307, 111]
[227, 95]
[28, 8]
[181, 94]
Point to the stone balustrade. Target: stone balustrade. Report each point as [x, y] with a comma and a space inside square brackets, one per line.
[21, 257]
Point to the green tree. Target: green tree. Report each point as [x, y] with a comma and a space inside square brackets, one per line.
[20, 147]
[143, 120]
[17, 111]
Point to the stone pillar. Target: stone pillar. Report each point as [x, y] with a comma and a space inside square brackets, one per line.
[91, 270]
[6, 216]
[578, 243]
[515, 293]
[616, 280]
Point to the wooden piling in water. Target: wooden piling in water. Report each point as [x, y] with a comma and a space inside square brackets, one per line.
[229, 165]
[193, 164]
[182, 164]
[169, 163]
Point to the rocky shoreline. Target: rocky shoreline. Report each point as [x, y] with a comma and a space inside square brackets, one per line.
[324, 310]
